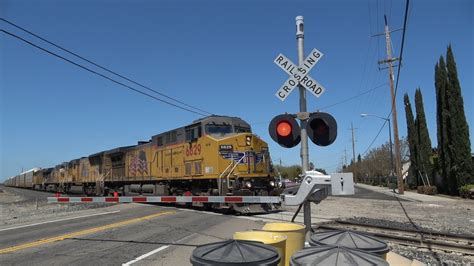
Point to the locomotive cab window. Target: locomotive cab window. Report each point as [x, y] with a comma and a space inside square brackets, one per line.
[193, 133]
[171, 137]
[240, 129]
[159, 141]
[218, 129]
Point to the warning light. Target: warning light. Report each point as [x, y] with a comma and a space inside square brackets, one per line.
[322, 129]
[285, 131]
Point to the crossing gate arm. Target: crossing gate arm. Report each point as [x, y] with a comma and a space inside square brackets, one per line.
[168, 199]
[315, 187]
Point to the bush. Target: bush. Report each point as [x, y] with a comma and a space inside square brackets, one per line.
[420, 189]
[428, 190]
[431, 190]
[467, 191]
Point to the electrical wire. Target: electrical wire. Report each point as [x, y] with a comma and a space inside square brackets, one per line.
[101, 67]
[398, 74]
[401, 48]
[372, 143]
[337, 103]
[353, 97]
[97, 73]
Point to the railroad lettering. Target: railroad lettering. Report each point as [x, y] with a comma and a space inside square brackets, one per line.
[305, 78]
[299, 74]
[279, 58]
[297, 77]
[292, 68]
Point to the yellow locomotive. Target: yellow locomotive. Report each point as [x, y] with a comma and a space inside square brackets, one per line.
[213, 156]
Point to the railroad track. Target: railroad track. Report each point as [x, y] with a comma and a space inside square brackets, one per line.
[446, 242]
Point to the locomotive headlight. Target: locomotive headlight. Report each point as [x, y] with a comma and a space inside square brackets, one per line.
[248, 184]
[272, 183]
[248, 140]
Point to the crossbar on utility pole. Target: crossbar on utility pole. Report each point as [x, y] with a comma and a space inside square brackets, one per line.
[303, 123]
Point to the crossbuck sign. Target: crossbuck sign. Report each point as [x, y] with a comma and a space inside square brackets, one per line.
[299, 75]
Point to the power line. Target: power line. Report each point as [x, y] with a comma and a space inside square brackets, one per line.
[97, 73]
[372, 143]
[398, 72]
[401, 48]
[353, 97]
[338, 103]
[101, 67]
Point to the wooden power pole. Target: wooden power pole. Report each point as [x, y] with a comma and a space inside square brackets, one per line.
[389, 61]
[354, 153]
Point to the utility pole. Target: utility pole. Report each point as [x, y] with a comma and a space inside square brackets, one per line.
[353, 152]
[389, 61]
[345, 156]
[303, 123]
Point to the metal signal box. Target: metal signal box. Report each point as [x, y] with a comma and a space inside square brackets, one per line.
[342, 184]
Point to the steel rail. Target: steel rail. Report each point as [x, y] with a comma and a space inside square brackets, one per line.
[409, 238]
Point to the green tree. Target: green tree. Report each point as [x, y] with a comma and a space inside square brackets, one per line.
[412, 143]
[423, 138]
[442, 119]
[461, 167]
[289, 172]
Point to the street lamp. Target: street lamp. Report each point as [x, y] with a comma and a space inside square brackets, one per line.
[389, 137]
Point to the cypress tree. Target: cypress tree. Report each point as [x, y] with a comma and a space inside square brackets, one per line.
[411, 137]
[423, 138]
[461, 167]
[442, 115]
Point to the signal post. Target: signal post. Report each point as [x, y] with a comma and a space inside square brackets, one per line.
[303, 109]
[320, 127]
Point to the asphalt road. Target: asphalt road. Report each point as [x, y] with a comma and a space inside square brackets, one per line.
[129, 233]
[109, 239]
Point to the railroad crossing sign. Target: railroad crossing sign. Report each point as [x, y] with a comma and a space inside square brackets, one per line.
[299, 75]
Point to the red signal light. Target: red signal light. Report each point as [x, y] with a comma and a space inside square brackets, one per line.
[284, 129]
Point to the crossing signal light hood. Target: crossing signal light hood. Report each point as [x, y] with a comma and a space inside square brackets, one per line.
[284, 130]
[322, 129]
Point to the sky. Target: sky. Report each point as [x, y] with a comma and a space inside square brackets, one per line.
[218, 56]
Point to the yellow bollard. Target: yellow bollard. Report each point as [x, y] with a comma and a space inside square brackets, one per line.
[273, 239]
[295, 237]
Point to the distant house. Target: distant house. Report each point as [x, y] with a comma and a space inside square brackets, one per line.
[405, 168]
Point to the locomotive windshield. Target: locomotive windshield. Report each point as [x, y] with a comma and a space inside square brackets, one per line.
[218, 129]
[240, 129]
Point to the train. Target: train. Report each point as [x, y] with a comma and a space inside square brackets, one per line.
[212, 156]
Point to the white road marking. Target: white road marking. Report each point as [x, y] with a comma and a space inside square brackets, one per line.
[59, 220]
[145, 255]
[155, 251]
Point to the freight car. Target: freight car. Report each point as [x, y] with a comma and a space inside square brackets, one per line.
[23, 180]
[213, 156]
